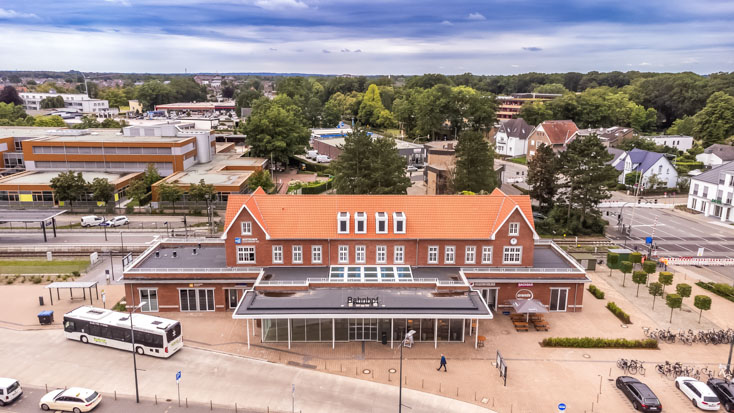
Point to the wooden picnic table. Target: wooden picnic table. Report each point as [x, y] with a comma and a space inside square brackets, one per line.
[541, 325]
[520, 325]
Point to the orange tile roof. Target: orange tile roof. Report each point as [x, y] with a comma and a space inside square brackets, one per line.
[559, 131]
[427, 217]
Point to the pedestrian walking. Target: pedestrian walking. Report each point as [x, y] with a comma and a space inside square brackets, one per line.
[443, 363]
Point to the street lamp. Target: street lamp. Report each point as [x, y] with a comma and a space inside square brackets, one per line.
[132, 336]
[166, 224]
[402, 343]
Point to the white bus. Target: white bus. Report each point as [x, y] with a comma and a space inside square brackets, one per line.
[154, 336]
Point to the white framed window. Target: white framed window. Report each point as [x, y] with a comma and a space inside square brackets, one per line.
[297, 254]
[343, 254]
[360, 254]
[245, 255]
[277, 254]
[316, 254]
[449, 254]
[486, 255]
[149, 296]
[343, 223]
[514, 229]
[381, 254]
[246, 227]
[512, 255]
[398, 219]
[433, 254]
[381, 222]
[399, 252]
[470, 254]
[360, 223]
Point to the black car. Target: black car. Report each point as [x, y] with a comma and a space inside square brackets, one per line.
[642, 398]
[725, 392]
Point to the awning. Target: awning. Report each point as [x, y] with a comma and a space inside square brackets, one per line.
[528, 306]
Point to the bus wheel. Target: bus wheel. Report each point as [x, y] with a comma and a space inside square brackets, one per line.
[140, 350]
[84, 339]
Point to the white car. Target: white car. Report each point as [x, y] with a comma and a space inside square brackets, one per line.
[9, 390]
[92, 221]
[73, 399]
[117, 221]
[700, 394]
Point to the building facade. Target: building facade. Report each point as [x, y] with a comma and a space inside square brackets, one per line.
[679, 142]
[509, 106]
[511, 138]
[331, 268]
[78, 101]
[554, 133]
[712, 192]
[649, 164]
[716, 154]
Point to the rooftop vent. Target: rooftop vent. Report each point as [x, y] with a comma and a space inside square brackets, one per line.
[157, 254]
[194, 252]
[175, 254]
[199, 245]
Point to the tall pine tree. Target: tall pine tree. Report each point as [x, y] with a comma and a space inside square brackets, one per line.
[474, 164]
[542, 176]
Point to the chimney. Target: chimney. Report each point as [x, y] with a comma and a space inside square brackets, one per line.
[157, 254]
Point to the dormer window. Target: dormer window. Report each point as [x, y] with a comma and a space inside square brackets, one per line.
[360, 223]
[398, 222]
[381, 222]
[343, 221]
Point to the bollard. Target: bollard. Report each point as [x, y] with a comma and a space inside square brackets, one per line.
[610, 372]
[341, 368]
[592, 406]
[457, 391]
[156, 400]
[235, 407]
[373, 373]
[511, 409]
[187, 402]
[406, 380]
[268, 409]
[115, 394]
[423, 382]
[356, 372]
[475, 396]
[440, 387]
[211, 407]
[46, 388]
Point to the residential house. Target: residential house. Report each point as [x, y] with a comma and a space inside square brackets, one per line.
[649, 164]
[611, 136]
[712, 192]
[679, 142]
[716, 155]
[554, 133]
[511, 138]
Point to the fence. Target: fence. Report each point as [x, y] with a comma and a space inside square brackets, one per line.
[722, 262]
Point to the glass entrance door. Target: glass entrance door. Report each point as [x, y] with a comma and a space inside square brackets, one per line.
[362, 329]
[490, 297]
[232, 298]
[559, 298]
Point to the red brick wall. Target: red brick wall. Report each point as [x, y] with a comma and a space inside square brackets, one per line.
[168, 295]
[541, 292]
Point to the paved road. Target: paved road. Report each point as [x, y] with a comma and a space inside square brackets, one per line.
[514, 173]
[37, 358]
[114, 237]
[674, 233]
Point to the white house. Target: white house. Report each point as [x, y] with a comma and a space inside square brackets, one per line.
[716, 155]
[648, 164]
[680, 142]
[712, 191]
[511, 138]
[78, 101]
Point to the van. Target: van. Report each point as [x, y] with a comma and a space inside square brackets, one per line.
[92, 221]
[312, 154]
[323, 159]
[9, 390]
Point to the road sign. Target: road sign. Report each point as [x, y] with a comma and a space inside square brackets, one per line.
[238, 240]
[178, 377]
[648, 240]
[700, 252]
[562, 406]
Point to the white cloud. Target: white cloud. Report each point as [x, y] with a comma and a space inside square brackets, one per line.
[645, 64]
[476, 16]
[12, 14]
[447, 23]
[280, 4]
[125, 3]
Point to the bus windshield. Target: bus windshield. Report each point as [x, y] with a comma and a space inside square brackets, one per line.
[173, 332]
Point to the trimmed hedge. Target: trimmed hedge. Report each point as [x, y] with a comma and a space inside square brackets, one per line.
[598, 342]
[599, 294]
[722, 290]
[618, 312]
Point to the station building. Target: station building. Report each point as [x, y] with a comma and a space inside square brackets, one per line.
[337, 268]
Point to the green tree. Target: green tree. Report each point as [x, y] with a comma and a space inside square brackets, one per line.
[152, 93]
[672, 95]
[275, 130]
[665, 278]
[245, 98]
[639, 277]
[151, 176]
[69, 186]
[474, 164]
[635, 258]
[612, 261]
[684, 126]
[185, 89]
[201, 191]
[10, 95]
[543, 176]
[87, 123]
[260, 179]
[649, 266]
[103, 191]
[369, 166]
[551, 88]
[632, 178]
[702, 302]
[684, 290]
[112, 124]
[371, 108]
[673, 301]
[625, 267]
[53, 102]
[115, 97]
[49, 121]
[656, 290]
[169, 193]
[535, 113]
[11, 114]
[715, 122]
[137, 190]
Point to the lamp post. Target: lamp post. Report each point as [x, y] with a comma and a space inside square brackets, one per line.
[402, 343]
[166, 224]
[132, 336]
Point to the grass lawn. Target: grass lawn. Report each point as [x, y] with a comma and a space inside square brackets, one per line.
[42, 266]
[521, 160]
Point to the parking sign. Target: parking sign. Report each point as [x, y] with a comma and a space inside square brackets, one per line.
[178, 377]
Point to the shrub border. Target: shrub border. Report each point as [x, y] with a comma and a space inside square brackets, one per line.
[596, 292]
[614, 308]
[709, 287]
[598, 342]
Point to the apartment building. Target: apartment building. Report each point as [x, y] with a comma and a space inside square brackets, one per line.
[712, 192]
[511, 138]
[79, 101]
[509, 106]
[340, 268]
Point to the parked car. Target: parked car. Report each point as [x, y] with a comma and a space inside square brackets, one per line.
[323, 159]
[73, 399]
[312, 154]
[92, 221]
[700, 394]
[117, 221]
[724, 390]
[538, 216]
[642, 398]
[9, 390]
[411, 168]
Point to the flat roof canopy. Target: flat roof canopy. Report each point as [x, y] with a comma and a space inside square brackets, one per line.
[72, 284]
[28, 215]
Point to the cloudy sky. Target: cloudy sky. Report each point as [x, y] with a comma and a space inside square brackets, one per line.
[368, 36]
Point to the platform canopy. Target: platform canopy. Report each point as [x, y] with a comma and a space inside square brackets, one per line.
[71, 285]
[26, 216]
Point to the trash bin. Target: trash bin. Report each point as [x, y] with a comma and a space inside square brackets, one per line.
[46, 317]
[40, 300]
[384, 337]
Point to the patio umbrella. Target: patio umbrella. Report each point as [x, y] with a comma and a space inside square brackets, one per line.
[528, 306]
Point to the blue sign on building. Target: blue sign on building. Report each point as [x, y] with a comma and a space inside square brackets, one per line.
[238, 240]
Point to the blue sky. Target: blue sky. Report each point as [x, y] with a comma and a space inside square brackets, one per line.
[367, 37]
